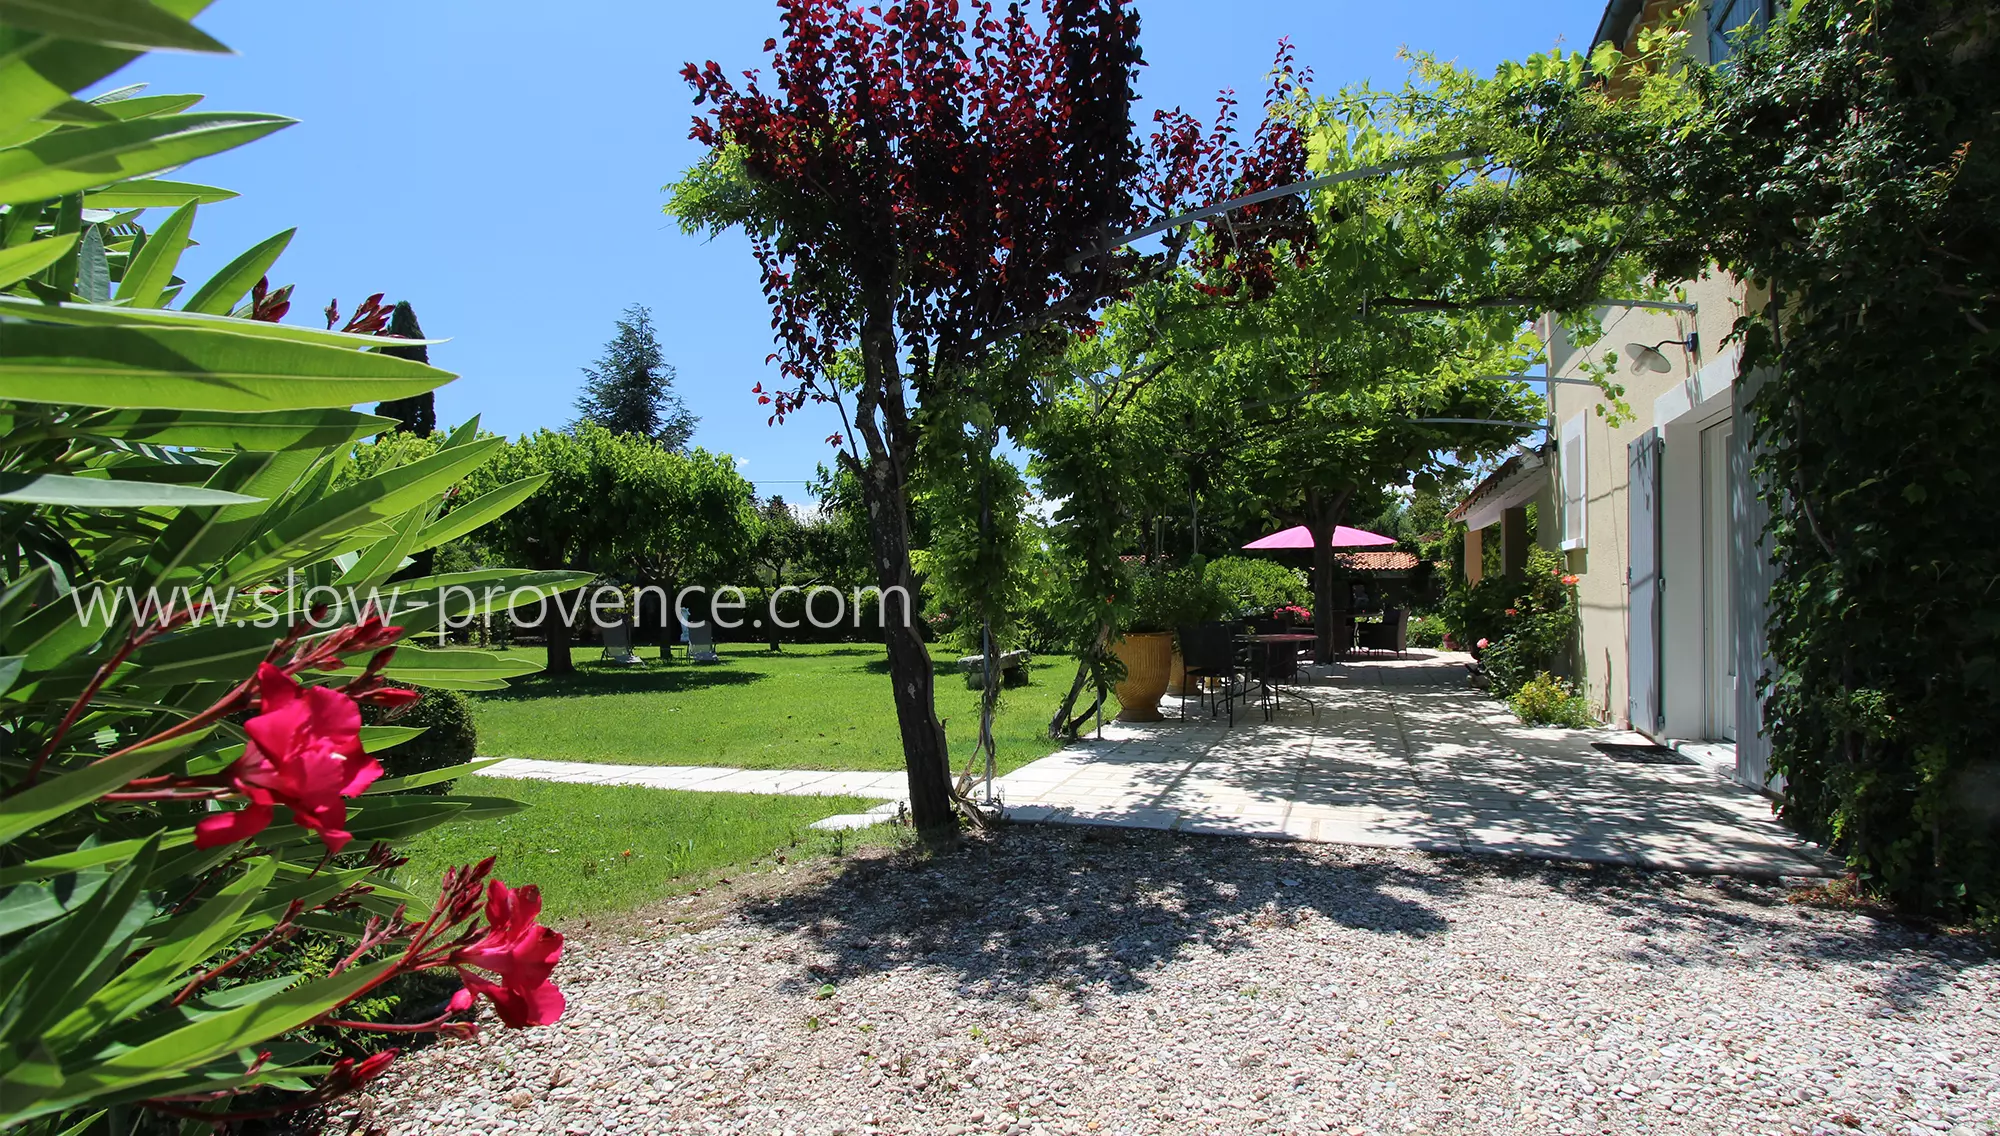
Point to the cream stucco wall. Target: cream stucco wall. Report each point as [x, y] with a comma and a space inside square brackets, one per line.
[1602, 561]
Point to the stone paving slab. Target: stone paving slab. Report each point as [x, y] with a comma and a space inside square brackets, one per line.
[1401, 754]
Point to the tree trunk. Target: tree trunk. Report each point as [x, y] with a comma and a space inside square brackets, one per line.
[883, 421]
[1323, 512]
[557, 632]
[909, 662]
[1062, 725]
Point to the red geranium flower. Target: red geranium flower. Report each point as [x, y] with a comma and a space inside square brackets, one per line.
[521, 952]
[304, 753]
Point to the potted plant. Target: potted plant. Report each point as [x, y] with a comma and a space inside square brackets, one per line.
[1161, 599]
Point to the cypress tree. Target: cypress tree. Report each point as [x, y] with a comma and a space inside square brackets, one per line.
[417, 413]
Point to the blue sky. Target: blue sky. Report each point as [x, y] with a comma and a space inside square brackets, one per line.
[499, 166]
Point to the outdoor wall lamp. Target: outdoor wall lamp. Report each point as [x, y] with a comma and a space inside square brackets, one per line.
[1650, 358]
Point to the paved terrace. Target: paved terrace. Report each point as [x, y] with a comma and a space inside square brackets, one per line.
[1400, 754]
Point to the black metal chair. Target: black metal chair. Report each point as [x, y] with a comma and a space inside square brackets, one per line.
[1208, 653]
[1390, 635]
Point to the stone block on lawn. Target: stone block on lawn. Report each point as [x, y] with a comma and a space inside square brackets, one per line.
[1013, 669]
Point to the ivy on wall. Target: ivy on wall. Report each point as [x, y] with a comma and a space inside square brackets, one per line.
[1847, 163]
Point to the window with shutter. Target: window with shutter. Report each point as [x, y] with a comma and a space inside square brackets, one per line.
[1571, 469]
[1725, 17]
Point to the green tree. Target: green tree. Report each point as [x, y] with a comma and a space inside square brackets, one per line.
[631, 389]
[626, 506]
[779, 543]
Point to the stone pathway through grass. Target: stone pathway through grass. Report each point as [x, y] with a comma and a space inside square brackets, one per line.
[887, 787]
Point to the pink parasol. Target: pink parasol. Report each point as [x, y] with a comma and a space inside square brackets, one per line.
[1301, 537]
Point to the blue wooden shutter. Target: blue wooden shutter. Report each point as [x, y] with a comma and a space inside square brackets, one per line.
[1643, 583]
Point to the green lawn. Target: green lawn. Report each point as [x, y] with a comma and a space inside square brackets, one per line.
[812, 707]
[573, 840]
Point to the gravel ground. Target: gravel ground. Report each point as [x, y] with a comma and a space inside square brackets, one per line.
[1063, 980]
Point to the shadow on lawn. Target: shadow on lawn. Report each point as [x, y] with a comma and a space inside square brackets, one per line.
[674, 679]
[1089, 909]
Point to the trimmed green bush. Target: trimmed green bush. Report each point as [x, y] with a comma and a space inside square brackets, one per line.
[1427, 631]
[1258, 585]
[1546, 700]
[449, 737]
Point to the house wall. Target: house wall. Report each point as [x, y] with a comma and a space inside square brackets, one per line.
[1602, 562]
[1701, 390]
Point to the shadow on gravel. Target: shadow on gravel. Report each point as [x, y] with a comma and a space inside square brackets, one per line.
[1088, 909]
[1720, 921]
[1094, 909]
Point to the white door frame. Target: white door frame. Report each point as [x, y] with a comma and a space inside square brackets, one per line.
[1718, 582]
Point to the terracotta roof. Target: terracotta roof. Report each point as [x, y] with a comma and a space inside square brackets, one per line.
[1518, 476]
[1379, 560]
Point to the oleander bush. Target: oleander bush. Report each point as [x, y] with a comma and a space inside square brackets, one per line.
[190, 625]
[1518, 625]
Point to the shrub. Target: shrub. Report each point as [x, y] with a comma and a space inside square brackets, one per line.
[1546, 700]
[873, 612]
[1427, 631]
[1529, 620]
[1163, 598]
[449, 737]
[1257, 585]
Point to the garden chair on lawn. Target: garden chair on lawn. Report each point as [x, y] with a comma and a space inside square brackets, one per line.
[617, 639]
[701, 643]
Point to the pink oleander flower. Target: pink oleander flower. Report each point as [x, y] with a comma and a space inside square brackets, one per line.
[1513, 611]
[353, 1074]
[304, 753]
[1481, 644]
[390, 697]
[520, 952]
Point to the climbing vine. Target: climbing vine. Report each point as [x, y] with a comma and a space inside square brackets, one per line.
[1847, 163]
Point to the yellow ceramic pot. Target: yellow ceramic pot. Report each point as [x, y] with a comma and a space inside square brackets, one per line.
[1147, 656]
